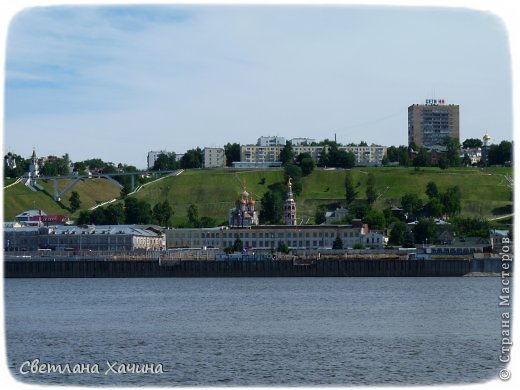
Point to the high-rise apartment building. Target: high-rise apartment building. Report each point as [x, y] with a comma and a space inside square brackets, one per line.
[429, 124]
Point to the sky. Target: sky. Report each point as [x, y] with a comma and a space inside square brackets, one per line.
[114, 82]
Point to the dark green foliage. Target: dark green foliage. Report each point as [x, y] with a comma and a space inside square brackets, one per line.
[500, 154]
[306, 163]
[434, 208]
[471, 227]
[282, 247]
[350, 190]
[399, 154]
[472, 143]
[431, 190]
[287, 154]
[232, 152]
[375, 219]
[193, 158]
[371, 192]
[161, 213]
[22, 165]
[238, 245]
[193, 216]
[137, 211]
[412, 205]
[443, 163]
[56, 166]
[272, 206]
[451, 201]
[165, 162]
[114, 214]
[295, 173]
[319, 217]
[397, 234]
[408, 239]
[422, 159]
[337, 243]
[75, 202]
[453, 151]
[425, 231]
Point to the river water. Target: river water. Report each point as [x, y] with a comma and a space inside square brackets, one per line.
[255, 331]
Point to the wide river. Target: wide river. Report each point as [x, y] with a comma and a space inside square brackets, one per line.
[255, 331]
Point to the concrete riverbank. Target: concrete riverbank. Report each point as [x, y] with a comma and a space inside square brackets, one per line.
[245, 268]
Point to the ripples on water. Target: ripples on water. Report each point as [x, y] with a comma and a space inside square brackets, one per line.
[259, 331]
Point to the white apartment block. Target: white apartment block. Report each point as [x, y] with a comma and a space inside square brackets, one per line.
[270, 141]
[214, 158]
[152, 157]
[367, 155]
[302, 141]
[260, 154]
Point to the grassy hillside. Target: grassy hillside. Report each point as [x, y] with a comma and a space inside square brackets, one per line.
[214, 192]
[19, 198]
[484, 192]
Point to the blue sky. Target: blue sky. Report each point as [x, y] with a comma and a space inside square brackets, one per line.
[117, 82]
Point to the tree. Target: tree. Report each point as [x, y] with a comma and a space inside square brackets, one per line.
[282, 247]
[238, 245]
[472, 143]
[193, 158]
[232, 152]
[295, 173]
[408, 239]
[375, 219]
[431, 190]
[434, 208]
[350, 189]
[471, 227]
[193, 216]
[161, 213]
[425, 231]
[397, 234]
[272, 207]
[165, 162]
[287, 154]
[443, 163]
[453, 151]
[137, 211]
[411, 204]
[115, 214]
[75, 202]
[371, 189]
[422, 159]
[306, 163]
[500, 154]
[337, 243]
[451, 200]
[319, 217]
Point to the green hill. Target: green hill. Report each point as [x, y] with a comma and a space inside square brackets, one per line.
[19, 198]
[485, 192]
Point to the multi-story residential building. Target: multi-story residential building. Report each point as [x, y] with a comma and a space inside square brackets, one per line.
[429, 124]
[86, 237]
[214, 158]
[302, 141]
[260, 154]
[152, 157]
[267, 237]
[270, 141]
[366, 155]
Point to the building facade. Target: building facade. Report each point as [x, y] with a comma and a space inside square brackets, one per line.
[111, 238]
[429, 124]
[214, 158]
[289, 207]
[152, 157]
[270, 141]
[267, 237]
